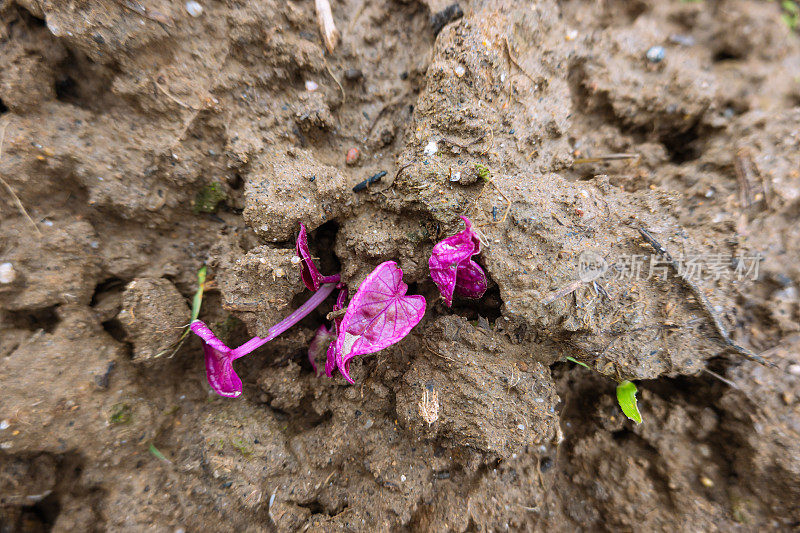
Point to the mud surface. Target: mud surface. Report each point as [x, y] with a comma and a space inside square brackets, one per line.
[139, 144]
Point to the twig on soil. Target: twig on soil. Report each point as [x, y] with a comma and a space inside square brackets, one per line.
[563, 291]
[609, 157]
[722, 379]
[327, 27]
[716, 321]
[173, 98]
[330, 72]
[514, 61]
[745, 170]
[10, 190]
[140, 10]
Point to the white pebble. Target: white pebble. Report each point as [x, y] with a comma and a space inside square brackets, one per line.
[431, 148]
[521, 427]
[194, 9]
[794, 370]
[311, 86]
[460, 70]
[7, 273]
[456, 176]
[4, 424]
[403, 478]
[571, 35]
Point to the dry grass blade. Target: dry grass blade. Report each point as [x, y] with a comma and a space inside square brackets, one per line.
[8, 187]
[330, 35]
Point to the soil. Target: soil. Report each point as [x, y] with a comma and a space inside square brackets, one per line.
[140, 143]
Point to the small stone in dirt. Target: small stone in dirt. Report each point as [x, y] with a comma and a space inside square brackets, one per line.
[656, 54]
[7, 273]
[445, 16]
[311, 86]
[194, 9]
[353, 74]
[431, 148]
[352, 157]
[154, 315]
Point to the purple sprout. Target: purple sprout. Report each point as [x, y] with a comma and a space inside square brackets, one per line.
[324, 337]
[220, 358]
[453, 269]
[311, 276]
[379, 315]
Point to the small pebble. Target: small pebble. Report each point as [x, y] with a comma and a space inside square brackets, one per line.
[7, 273]
[683, 40]
[455, 176]
[353, 74]
[656, 54]
[4, 424]
[431, 148]
[352, 157]
[194, 9]
[706, 481]
[311, 86]
[571, 35]
[403, 478]
[460, 70]
[794, 370]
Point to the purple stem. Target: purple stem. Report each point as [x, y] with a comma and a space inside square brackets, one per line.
[299, 314]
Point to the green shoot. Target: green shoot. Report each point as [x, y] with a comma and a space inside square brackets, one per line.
[157, 454]
[791, 14]
[584, 365]
[626, 396]
[483, 171]
[197, 301]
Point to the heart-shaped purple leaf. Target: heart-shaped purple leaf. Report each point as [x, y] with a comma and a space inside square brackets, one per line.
[379, 315]
[452, 268]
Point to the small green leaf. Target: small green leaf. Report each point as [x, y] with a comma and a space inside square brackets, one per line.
[626, 396]
[578, 362]
[157, 454]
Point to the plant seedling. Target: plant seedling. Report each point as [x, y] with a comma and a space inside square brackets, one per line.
[379, 315]
[626, 397]
[452, 267]
[219, 358]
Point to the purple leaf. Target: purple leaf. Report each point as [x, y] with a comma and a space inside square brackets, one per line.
[311, 276]
[379, 315]
[219, 362]
[453, 269]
